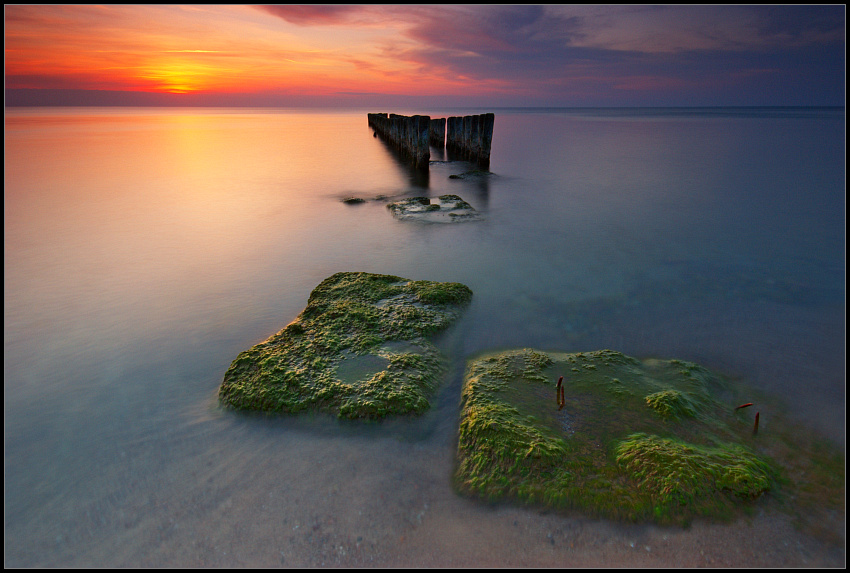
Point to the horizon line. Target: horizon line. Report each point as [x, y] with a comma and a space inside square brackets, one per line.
[65, 97]
[463, 106]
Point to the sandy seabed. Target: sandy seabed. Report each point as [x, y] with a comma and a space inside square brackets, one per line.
[316, 499]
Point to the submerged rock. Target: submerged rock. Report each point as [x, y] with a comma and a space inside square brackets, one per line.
[639, 440]
[359, 349]
[471, 174]
[447, 209]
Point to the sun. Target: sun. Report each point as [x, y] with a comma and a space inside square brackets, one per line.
[177, 78]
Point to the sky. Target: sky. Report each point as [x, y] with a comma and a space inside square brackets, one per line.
[432, 55]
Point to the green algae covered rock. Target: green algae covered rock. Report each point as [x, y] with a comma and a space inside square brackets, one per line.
[637, 440]
[359, 349]
[447, 209]
[671, 404]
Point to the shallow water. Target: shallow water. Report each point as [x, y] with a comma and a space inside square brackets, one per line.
[145, 248]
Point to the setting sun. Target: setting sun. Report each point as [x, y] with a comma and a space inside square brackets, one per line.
[177, 78]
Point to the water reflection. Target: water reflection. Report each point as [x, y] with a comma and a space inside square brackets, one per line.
[145, 249]
[417, 178]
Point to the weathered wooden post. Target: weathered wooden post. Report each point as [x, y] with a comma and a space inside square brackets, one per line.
[404, 136]
[467, 130]
[422, 150]
[457, 132]
[406, 143]
[482, 140]
[473, 144]
[437, 132]
[486, 139]
[395, 130]
[453, 133]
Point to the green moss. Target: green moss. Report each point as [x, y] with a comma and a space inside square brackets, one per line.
[671, 404]
[359, 349]
[455, 201]
[411, 203]
[605, 452]
[429, 292]
[676, 474]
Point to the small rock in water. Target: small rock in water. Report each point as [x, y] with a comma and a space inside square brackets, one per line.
[447, 209]
[469, 174]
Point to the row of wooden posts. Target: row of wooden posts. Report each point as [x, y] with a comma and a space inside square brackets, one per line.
[468, 137]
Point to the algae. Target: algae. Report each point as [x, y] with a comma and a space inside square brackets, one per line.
[636, 440]
[670, 404]
[447, 209]
[360, 349]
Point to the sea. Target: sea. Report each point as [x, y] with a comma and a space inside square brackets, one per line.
[144, 248]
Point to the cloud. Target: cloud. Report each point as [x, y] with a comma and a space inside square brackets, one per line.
[534, 28]
[527, 52]
[672, 49]
[311, 14]
[792, 26]
[523, 48]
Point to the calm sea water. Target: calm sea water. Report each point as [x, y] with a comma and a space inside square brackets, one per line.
[145, 248]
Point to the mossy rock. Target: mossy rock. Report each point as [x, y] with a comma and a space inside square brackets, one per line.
[447, 209]
[637, 440]
[360, 349]
[671, 404]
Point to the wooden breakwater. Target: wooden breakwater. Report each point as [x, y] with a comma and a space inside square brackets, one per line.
[468, 137]
[407, 134]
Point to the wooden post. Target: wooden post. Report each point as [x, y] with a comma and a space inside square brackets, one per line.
[467, 130]
[486, 139]
[454, 134]
[437, 132]
[406, 143]
[473, 144]
[418, 141]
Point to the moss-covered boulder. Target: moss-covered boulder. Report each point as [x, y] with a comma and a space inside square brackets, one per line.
[639, 440]
[447, 209]
[360, 349]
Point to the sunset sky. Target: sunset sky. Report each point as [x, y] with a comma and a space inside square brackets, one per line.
[457, 55]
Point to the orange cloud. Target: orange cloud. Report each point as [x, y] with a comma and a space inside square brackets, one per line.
[166, 49]
[230, 49]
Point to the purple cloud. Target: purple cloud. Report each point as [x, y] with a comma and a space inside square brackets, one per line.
[312, 14]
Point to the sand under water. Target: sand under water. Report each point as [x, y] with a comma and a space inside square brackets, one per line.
[297, 494]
